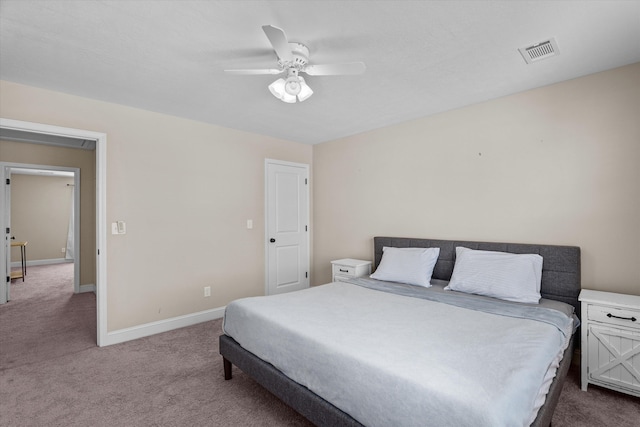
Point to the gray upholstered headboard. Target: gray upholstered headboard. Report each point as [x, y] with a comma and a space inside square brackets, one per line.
[560, 268]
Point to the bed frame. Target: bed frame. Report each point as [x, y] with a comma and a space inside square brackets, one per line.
[560, 281]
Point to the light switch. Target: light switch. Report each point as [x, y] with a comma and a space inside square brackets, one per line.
[249, 224]
[118, 227]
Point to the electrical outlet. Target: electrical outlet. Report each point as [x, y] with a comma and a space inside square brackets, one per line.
[207, 291]
[63, 250]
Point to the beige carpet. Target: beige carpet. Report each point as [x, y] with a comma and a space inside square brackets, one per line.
[52, 374]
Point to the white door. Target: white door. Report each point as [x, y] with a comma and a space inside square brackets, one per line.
[5, 252]
[287, 226]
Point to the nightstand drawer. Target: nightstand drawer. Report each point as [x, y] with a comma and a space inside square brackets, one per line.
[339, 278]
[344, 270]
[614, 316]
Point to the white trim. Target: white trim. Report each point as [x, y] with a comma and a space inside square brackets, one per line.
[141, 331]
[77, 247]
[50, 261]
[5, 250]
[41, 172]
[20, 125]
[87, 288]
[101, 205]
[101, 238]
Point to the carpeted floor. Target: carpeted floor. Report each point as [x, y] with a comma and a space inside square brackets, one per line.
[44, 313]
[52, 374]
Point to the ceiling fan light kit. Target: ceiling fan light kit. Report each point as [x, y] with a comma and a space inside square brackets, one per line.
[293, 58]
[291, 88]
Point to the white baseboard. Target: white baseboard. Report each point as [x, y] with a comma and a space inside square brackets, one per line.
[87, 288]
[17, 264]
[141, 331]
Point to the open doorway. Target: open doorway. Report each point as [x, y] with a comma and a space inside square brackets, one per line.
[44, 211]
[36, 134]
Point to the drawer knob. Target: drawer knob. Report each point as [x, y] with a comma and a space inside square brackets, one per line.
[344, 271]
[633, 319]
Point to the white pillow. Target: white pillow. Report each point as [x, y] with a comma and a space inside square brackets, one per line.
[412, 266]
[511, 277]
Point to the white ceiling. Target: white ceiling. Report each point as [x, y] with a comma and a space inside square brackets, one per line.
[423, 57]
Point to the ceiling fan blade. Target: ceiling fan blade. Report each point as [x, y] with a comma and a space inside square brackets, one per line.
[279, 42]
[336, 69]
[254, 72]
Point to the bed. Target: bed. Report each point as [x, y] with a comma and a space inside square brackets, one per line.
[325, 377]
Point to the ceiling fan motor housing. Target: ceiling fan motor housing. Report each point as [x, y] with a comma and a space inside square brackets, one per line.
[300, 55]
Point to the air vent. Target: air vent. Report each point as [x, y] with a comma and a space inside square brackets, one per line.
[540, 51]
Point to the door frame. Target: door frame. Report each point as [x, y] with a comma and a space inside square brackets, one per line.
[305, 166]
[76, 210]
[101, 206]
[5, 248]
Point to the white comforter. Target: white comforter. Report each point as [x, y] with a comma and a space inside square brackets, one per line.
[393, 360]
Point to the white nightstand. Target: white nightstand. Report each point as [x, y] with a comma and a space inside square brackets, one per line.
[345, 269]
[611, 341]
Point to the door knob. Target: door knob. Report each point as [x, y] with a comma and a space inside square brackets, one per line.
[272, 240]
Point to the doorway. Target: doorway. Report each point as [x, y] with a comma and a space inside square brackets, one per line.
[286, 226]
[42, 210]
[60, 136]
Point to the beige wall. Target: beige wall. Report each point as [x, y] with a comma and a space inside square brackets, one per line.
[36, 154]
[554, 165]
[558, 165]
[40, 211]
[185, 190]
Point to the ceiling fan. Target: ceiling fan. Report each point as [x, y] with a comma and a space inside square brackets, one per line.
[293, 58]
